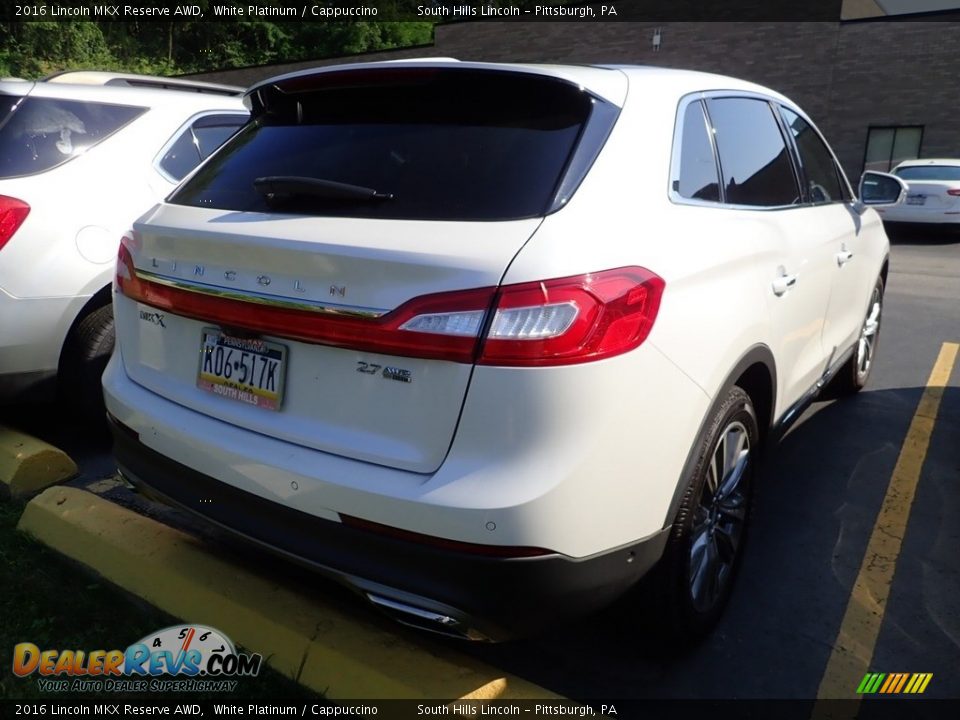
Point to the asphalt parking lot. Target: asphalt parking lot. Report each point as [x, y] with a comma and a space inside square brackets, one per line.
[823, 494]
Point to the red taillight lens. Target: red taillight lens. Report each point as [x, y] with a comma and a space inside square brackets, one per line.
[553, 322]
[12, 214]
[955, 192]
[125, 278]
[573, 320]
[380, 335]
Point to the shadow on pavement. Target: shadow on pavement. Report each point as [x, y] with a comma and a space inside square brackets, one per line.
[922, 234]
[817, 500]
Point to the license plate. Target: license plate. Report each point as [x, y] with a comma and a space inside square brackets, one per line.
[248, 370]
[916, 199]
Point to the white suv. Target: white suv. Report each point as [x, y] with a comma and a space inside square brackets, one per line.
[82, 155]
[487, 343]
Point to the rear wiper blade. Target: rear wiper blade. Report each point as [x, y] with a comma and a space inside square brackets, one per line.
[285, 186]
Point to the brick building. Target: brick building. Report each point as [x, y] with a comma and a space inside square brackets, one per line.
[881, 87]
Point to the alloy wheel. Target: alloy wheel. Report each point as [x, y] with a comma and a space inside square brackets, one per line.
[868, 335]
[720, 517]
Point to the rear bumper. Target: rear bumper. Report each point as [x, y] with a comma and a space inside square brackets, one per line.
[909, 215]
[441, 589]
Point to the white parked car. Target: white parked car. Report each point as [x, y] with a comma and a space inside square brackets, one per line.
[488, 343]
[933, 192]
[82, 155]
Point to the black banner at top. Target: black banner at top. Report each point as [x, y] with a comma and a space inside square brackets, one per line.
[186, 707]
[168, 11]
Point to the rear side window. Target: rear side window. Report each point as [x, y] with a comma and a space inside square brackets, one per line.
[697, 175]
[197, 141]
[756, 167]
[434, 144]
[212, 131]
[929, 172]
[37, 134]
[819, 168]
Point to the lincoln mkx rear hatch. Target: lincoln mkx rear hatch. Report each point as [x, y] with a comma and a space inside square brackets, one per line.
[328, 276]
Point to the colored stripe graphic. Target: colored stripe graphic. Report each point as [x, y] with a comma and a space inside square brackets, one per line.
[864, 684]
[891, 681]
[894, 683]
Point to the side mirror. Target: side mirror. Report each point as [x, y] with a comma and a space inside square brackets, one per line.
[879, 189]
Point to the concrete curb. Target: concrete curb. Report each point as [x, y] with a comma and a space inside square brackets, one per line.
[29, 465]
[319, 645]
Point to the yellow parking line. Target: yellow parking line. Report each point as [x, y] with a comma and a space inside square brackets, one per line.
[853, 648]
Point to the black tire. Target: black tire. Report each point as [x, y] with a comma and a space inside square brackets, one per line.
[853, 376]
[710, 522]
[88, 349]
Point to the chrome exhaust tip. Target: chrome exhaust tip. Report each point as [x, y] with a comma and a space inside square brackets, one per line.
[429, 620]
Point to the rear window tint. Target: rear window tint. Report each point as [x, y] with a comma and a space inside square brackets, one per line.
[38, 134]
[929, 172]
[442, 144]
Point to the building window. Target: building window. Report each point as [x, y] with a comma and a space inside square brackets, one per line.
[887, 147]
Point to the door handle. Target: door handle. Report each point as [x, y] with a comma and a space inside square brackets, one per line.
[783, 283]
[843, 257]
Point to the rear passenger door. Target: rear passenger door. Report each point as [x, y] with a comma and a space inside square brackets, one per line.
[759, 181]
[828, 219]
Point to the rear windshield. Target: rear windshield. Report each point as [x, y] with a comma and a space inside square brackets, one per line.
[929, 172]
[435, 144]
[37, 134]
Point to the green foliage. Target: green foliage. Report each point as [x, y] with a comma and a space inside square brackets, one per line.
[36, 49]
[79, 44]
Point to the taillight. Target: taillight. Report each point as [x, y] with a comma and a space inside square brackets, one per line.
[380, 335]
[553, 322]
[955, 192]
[574, 319]
[125, 278]
[12, 214]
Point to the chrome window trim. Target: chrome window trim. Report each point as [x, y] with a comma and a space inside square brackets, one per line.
[675, 196]
[251, 296]
[703, 96]
[188, 127]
